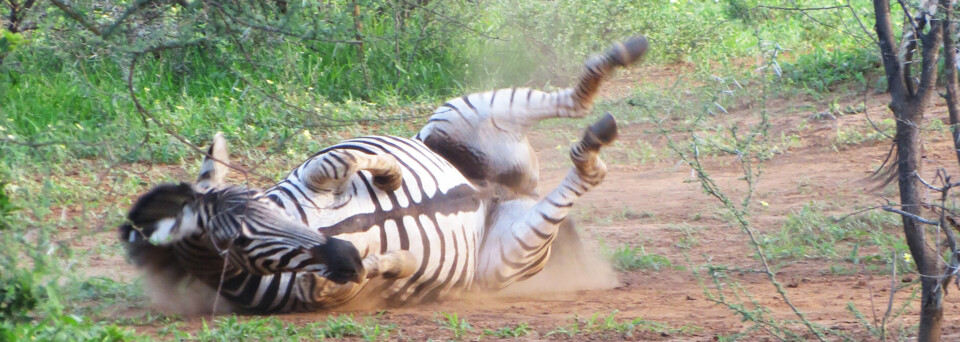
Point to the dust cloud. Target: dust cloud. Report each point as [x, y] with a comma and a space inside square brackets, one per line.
[573, 265]
[186, 296]
[568, 271]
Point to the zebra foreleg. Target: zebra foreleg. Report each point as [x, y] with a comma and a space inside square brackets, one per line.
[331, 171]
[316, 290]
[391, 265]
[519, 239]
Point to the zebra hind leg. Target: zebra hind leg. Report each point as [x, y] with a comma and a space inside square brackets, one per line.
[521, 234]
[590, 168]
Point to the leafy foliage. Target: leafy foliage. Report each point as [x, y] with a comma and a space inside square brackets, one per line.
[821, 69]
[17, 296]
[6, 207]
[8, 42]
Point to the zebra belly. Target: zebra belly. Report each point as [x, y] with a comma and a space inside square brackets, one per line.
[436, 214]
[444, 245]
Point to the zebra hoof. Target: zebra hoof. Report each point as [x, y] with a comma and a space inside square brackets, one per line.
[629, 51]
[387, 183]
[600, 133]
[397, 264]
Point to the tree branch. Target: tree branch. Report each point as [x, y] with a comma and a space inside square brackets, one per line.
[891, 62]
[76, 16]
[950, 75]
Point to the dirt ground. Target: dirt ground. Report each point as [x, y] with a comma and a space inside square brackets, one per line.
[659, 195]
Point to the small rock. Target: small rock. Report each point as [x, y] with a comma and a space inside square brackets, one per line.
[823, 116]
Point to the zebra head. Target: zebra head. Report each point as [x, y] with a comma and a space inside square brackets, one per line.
[249, 232]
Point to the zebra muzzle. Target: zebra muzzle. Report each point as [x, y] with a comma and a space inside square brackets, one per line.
[342, 260]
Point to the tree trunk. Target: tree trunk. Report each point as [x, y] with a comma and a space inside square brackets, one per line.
[950, 73]
[908, 165]
[908, 105]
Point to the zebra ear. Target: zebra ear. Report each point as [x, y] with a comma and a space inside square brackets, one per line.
[214, 168]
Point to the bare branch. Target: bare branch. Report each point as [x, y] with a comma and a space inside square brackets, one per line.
[915, 217]
[135, 7]
[76, 16]
[146, 114]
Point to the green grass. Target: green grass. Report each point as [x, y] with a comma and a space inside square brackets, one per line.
[628, 258]
[866, 133]
[459, 327]
[71, 97]
[821, 69]
[868, 238]
[233, 328]
[6, 207]
[509, 331]
[607, 325]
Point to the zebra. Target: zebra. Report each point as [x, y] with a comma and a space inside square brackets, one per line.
[400, 220]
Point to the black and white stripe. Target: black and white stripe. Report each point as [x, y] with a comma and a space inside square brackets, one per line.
[435, 213]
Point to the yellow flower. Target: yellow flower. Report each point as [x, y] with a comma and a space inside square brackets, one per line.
[306, 134]
[764, 203]
[907, 257]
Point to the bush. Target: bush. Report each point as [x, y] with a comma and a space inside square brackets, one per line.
[249, 71]
[823, 69]
[6, 208]
[17, 296]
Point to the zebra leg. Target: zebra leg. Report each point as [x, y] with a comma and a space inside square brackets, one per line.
[484, 134]
[315, 290]
[390, 265]
[331, 171]
[520, 236]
